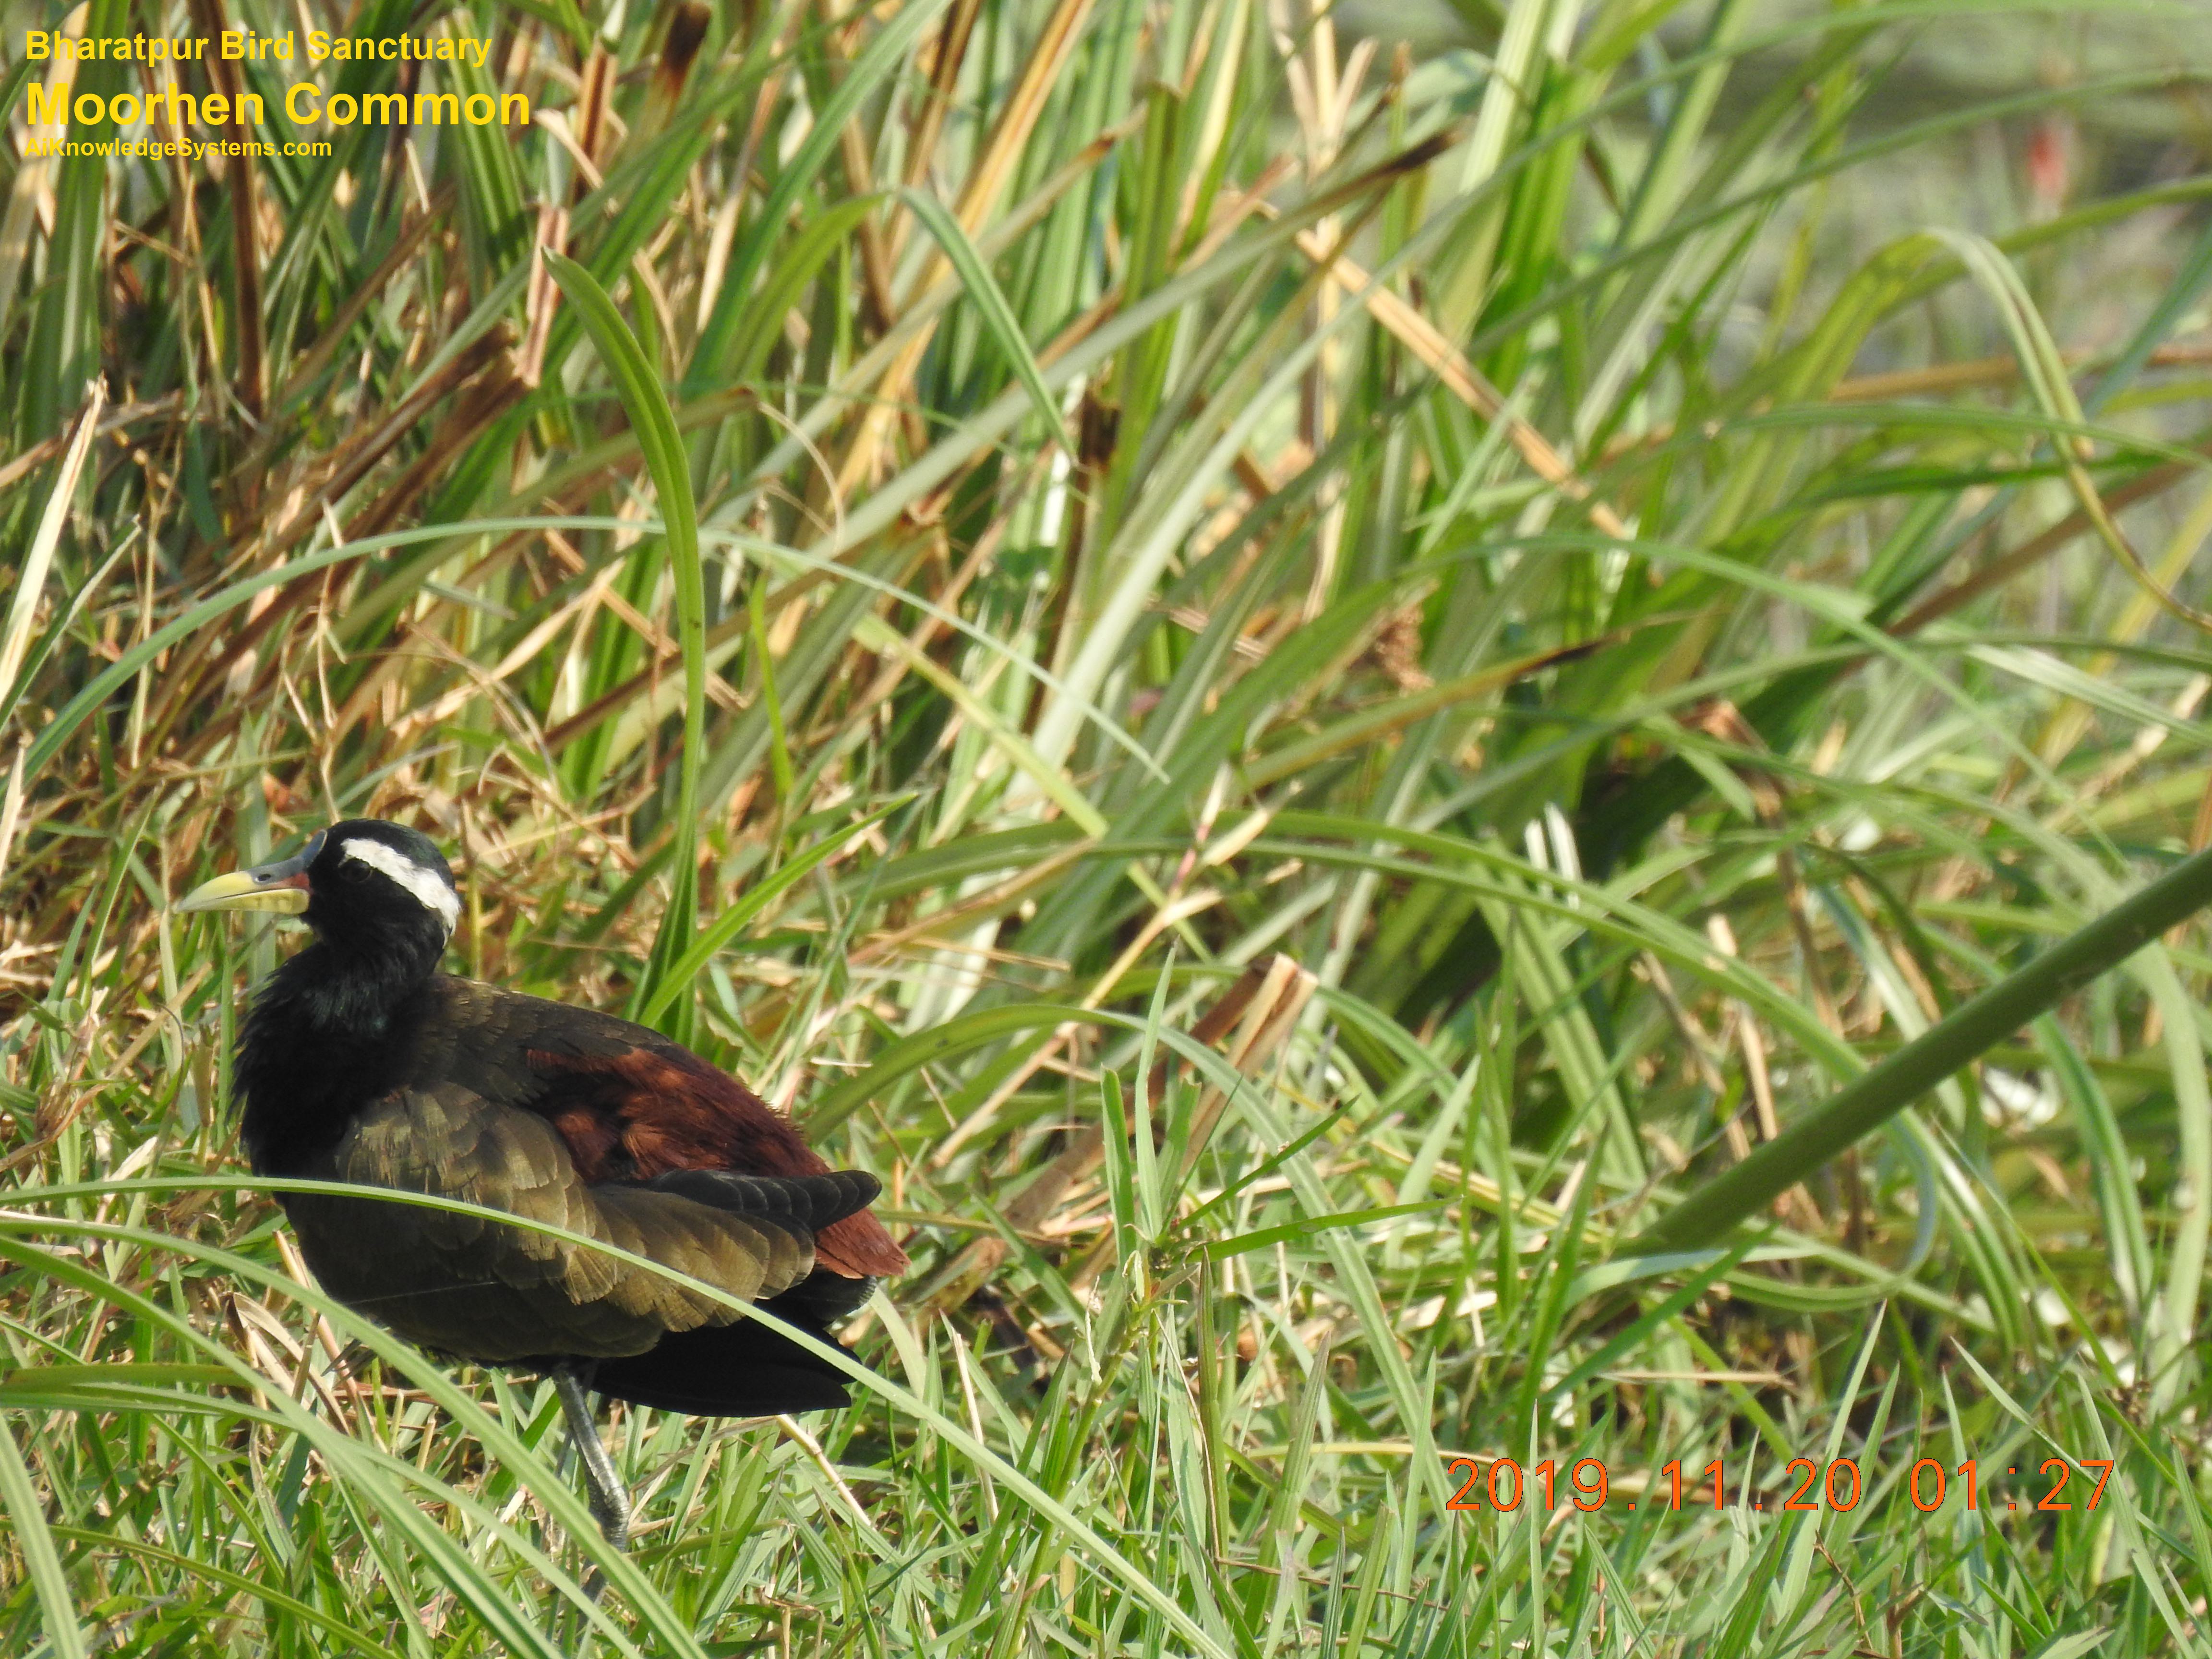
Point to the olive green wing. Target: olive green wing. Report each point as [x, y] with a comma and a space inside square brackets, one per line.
[481, 1290]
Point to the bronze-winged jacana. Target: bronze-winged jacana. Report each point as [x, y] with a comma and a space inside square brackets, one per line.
[361, 1062]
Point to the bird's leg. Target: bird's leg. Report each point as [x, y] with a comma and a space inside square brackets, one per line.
[610, 1501]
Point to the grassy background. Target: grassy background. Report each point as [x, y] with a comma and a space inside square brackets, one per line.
[1292, 678]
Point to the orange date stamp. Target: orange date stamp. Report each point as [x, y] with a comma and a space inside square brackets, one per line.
[1837, 1485]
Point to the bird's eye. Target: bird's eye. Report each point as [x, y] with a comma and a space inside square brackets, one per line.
[354, 872]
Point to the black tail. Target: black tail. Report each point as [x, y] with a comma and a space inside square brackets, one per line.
[743, 1370]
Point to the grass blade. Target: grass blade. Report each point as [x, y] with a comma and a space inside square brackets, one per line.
[31, 578]
[1970, 1031]
[655, 422]
[36, 1540]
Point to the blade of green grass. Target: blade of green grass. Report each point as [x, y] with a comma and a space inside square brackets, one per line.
[1870, 1100]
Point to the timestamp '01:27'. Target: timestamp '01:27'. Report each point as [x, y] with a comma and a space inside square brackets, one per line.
[1926, 1499]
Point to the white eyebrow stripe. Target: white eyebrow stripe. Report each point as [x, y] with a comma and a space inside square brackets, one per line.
[433, 893]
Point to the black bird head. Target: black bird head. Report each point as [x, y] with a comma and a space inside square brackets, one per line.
[379, 896]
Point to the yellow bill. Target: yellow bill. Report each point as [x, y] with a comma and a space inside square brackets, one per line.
[280, 888]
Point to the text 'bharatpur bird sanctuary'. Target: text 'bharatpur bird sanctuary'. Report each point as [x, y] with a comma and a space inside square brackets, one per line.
[305, 103]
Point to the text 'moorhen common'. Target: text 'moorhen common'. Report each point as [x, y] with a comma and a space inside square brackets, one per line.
[305, 103]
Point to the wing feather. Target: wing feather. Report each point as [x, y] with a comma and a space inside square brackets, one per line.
[628, 1101]
[481, 1290]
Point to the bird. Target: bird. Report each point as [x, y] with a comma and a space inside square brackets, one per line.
[360, 1061]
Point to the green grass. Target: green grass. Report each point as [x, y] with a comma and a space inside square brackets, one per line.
[1299, 686]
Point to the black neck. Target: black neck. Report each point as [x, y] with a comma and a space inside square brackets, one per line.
[349, 994]
[319, 1041]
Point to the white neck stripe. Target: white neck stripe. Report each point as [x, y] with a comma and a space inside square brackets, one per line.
[427, 885]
